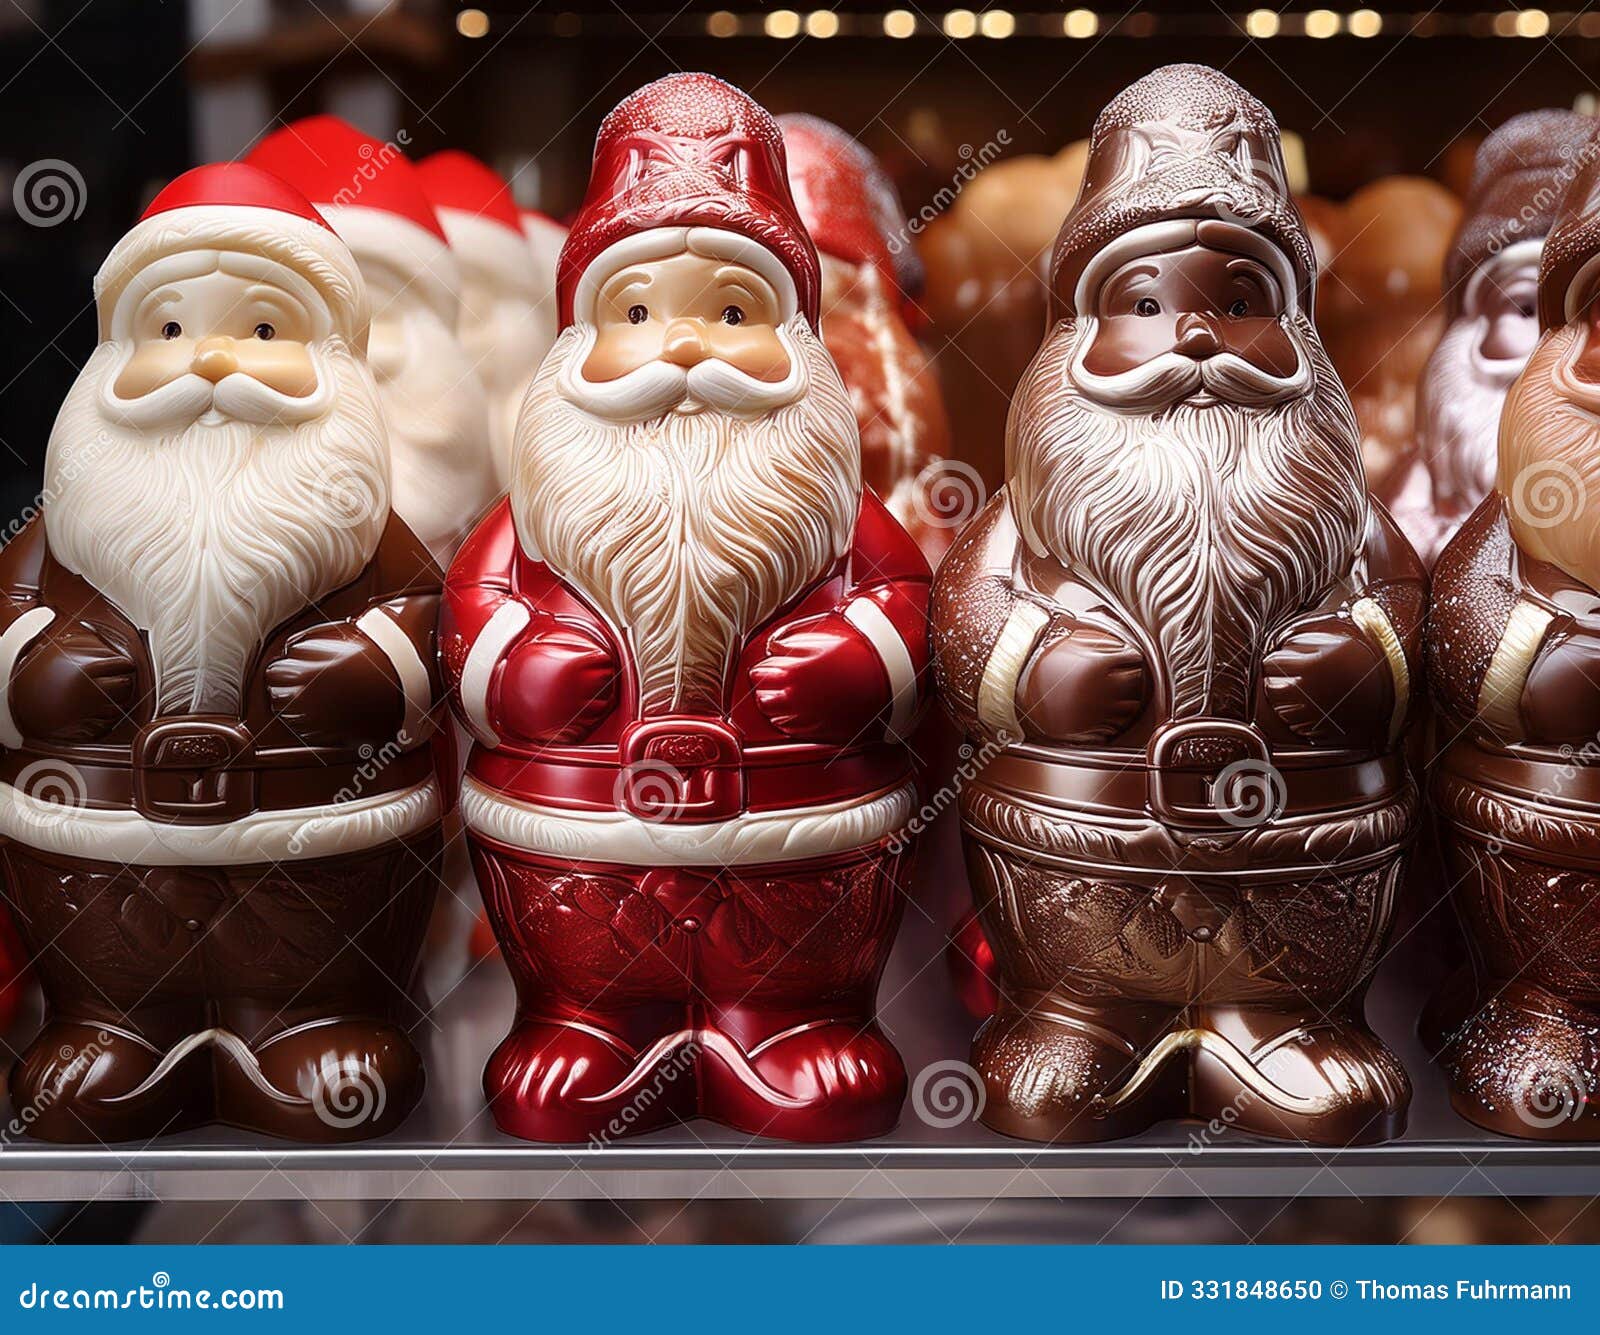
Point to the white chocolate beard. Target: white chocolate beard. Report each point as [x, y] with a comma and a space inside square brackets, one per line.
[689, 531]
[1207, 528]
[1459, 402]
[210, 538]
[437, 418]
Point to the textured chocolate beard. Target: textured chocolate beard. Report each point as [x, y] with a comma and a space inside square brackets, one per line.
[687, 531]
[1549, 464]
[1458, 418]
[1207, 528]
[209, 538]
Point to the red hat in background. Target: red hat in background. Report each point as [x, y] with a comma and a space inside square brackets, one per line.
[256, 218]
[479, 217]
[372, 195]
[847, 201]
[689, 161]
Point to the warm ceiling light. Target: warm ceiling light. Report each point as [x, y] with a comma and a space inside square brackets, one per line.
[472, 23]
[1321, 23]
[960, 23]
[1533, 23]
[899, 23]
[722, 24]
[997, 23]
[822, 23]
[782, 23]
[1080, 23]
[1589, 25]
[1365, 23]
[1261, 23]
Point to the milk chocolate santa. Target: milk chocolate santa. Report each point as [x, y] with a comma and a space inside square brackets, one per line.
[1188, 641]
[849, 206]
[688, 647]
[506, 322]
[434, 407]
[217, 793]
[1491, 281]
[1514, 662]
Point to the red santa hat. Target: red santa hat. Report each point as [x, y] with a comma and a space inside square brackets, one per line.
[1182, 154]
[247, 220]
[477, 212]
[688, 161]
[847, 201]
[370, 192]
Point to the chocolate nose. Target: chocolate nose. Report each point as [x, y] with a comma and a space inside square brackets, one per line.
[214, 358]
[684, 343]
[1197, 336]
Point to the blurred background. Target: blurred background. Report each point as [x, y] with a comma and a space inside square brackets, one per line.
[975, 114]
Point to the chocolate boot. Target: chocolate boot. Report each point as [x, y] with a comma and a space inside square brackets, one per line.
[814, 1079]
[576, 1080]
[1325, 1081]
[1064, 1071]
[82, 1083]
[1528, 1064]
[324, 1081]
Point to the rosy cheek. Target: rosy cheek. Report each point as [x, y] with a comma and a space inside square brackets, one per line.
[619, 349]
[153, 365]
[756, 353]
[277, 364]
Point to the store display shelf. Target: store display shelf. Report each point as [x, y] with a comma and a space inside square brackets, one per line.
[450, 1150]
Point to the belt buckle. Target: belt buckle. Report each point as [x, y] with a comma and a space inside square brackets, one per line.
[1213, 774]
[187, 771]
[681, 770]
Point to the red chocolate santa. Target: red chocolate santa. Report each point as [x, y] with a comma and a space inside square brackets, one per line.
[434, 407]
[848, 205]
[217, 793]
[688, 646]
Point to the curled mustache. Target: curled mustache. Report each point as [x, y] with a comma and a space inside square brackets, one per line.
[658, 387]
[238, 397]
[1173, 377]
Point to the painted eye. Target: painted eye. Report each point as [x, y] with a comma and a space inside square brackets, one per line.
[1147, 306]
[732, 315]
[1239, 309]
[637, 314]
[171, 329]
[265, 332]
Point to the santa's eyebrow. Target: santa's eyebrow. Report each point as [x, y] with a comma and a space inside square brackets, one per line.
[1131, 272]
[1244, 267]
[629, 278]
[741, 278]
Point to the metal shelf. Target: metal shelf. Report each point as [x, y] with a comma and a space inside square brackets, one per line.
[450, 1149]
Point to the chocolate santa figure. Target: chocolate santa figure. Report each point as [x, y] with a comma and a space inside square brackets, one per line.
[1185, 639]
[688, 645]
[1514, 665]
[503, 324]
[217, 791]
[1491, 284]
[849, 206]
[434, 407]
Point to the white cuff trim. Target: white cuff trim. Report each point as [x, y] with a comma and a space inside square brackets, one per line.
[384, 631]
[18, 636]
[1375, 621]
[508, 622]
[997, 692]
[1500, 696]
[873, 622]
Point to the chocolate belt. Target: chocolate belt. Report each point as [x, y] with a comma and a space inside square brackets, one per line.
[1561, 780]
[190, 775]
[1244, 793]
